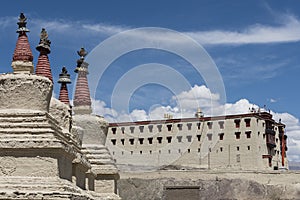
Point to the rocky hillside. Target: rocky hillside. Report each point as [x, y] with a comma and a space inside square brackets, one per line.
[173, 186]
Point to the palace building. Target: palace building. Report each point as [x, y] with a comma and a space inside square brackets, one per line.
[252, 141]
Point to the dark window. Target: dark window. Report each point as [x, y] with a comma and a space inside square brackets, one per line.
[198, 150]
[179, 126]
[150, 140]
[132, 129]
[150, 128]
[169, 151]
[169, 139]
[237, 123]
[169, 126]
[209, 124]
[237, 148]
[189, 125]
[113, 141]
[189, 150]
[248, 134]
[123, 130]
[131, 152]
[141, 140]
[221, 136]
[221, 149]
[159, 139]
[131, 141]
[122, 141]
[198, 125]
[258, 133]
[264, 136]
[122, 152]
[114, 130]
[247, 121]
[141, 129]
[141, 152]
[237, 135]
[209, 137]
[179, 138]
[248, 148]
[199, 137]
[189, 138]
[179, 151]
[159, 127]
[221, 124]
[150, 152]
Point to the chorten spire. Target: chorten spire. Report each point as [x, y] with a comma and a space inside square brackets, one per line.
[64, 79]
[43, 65]
[82, 99]
[22, 58]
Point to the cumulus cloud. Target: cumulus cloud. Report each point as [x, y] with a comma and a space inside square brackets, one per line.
[186, 104]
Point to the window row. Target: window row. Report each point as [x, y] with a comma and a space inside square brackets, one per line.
[180, 126]
[221, 149]
[179, 138]
[150, 140]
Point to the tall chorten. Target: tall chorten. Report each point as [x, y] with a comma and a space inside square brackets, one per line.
[103, 169]
[82, 99]
[22, 58]
[64, 79]
[43, 65]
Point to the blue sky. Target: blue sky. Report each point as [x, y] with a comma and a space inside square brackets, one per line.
[254, 44]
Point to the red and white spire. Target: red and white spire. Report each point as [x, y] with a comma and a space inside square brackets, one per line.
[43, 66]
[82, 99]
[64, 79]
[22, 58]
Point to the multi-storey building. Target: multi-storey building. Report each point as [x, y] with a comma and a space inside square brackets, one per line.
[252, 141]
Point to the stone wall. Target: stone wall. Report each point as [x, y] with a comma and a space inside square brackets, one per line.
[209, 185]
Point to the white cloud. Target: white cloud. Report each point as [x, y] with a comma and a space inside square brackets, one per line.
[186, 104]
[287, 31]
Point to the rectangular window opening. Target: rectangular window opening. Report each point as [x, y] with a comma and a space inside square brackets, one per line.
[237, 135]
[131, 140]
[150, 128]
[221, 124]
[150, 140]
[141, 140]
[141, 129]
[114, 141]
[199, 137]
[189, 125]
[209, 124]
[169, 139]
[221, 136]
[248, 134]
[189, 138]
[209, 136]
[169, 126]
[114, 130]
[159, 139]
[179, 126]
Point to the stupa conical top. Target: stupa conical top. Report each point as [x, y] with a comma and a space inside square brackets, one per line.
[43, 66]
[64, 79]
[22, 58]
[82, 99]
